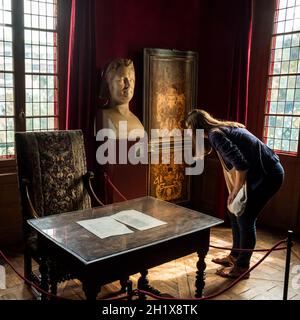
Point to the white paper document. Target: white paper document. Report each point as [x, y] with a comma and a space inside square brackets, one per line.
[104, 227]
[137, 220]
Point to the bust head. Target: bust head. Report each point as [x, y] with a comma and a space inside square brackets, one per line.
[117, 88]
[118, 82]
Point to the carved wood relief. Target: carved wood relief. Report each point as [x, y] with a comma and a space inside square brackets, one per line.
[170, 91]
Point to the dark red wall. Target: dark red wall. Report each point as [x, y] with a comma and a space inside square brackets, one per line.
[124, 28]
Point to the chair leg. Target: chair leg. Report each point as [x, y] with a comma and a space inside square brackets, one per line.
[44, 278]
[126, 286]
[27, 267]
[52, 277]
[53, 287]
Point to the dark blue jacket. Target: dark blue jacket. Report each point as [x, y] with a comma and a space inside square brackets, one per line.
[240, 149]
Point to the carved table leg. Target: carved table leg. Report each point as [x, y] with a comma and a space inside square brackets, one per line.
[27, 266]
[53, 277]
[143, 284]
[44, 278]
[200, 273]
[91, 289]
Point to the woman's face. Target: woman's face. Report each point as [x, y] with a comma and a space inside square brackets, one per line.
[189, 132]
[121, 85]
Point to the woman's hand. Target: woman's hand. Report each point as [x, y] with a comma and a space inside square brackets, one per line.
[240, 179]
[231, 197]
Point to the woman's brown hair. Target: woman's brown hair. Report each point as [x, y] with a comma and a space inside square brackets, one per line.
[201, 119]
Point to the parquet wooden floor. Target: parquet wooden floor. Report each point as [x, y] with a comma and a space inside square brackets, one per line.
[177, 278]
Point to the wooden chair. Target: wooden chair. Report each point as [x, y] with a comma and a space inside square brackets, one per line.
[53, 179]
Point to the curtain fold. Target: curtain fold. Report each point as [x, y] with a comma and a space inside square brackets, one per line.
[238, 86]
[238, 98]
[81, 84]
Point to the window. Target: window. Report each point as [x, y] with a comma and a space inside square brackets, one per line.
[28, 69]
[282, 112]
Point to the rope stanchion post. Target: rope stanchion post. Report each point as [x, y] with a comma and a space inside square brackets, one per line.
[287, 264]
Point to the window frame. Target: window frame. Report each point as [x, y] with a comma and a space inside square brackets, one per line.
[19, 72]
[269, 75]
[19, 64]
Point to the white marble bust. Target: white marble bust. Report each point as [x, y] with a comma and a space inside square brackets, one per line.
[118, 88]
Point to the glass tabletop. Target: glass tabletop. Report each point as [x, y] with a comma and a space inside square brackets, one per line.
[64, 231]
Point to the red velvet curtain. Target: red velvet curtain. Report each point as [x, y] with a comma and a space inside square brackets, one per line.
[237, 107]
[81, 85]
[224, 67]
[238, 98]
[224, 58]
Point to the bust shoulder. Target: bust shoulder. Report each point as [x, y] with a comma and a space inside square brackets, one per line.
[111, 119]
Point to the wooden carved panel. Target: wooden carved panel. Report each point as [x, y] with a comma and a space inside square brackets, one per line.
[170, 82]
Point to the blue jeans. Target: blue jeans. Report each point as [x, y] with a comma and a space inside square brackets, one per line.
[244, 227]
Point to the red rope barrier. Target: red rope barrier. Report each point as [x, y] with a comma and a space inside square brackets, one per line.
[222, 290]
[48, 294]
[138, 291]
[107, 178]
[28, 281]
[274, 248]
[246, 250]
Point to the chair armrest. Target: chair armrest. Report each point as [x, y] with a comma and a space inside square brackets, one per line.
[29, 204]
[88, 185]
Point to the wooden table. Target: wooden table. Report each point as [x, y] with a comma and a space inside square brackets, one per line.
[96, 261]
